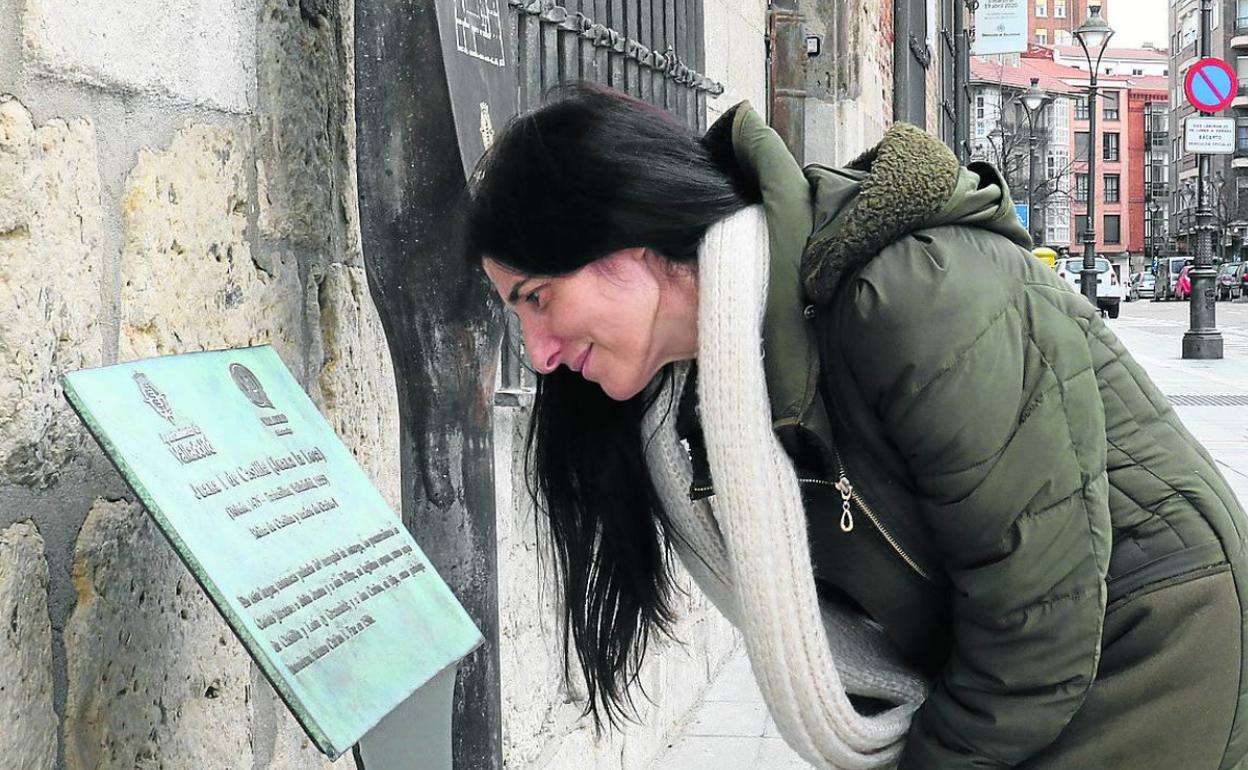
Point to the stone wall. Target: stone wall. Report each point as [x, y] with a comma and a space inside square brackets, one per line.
[850, 84]
[178, 175]
[175, 175]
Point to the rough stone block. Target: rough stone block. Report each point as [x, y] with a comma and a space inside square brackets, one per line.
[155, 677]
[300, 117]
[188, 279]
[28, 740]
[355, 388]
[196, 51]
[51, 260]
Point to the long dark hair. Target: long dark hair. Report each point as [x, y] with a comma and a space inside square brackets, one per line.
[588, 173]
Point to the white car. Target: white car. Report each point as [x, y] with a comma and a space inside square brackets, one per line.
[1108, 288]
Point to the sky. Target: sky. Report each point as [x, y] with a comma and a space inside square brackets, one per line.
[1138, 21]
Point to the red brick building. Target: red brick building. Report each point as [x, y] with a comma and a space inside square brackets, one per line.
[1053, 22]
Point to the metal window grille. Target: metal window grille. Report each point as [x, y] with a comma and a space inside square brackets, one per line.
[652, 49]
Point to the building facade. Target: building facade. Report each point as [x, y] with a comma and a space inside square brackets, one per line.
[1053, 22]
[1227, 185]
[1130, 162]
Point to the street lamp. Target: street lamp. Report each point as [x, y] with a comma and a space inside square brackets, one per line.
[1202, 339]
[1093, 35]
[1154, 214]
[1033, 100]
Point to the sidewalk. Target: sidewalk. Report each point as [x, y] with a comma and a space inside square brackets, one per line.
[731, 729]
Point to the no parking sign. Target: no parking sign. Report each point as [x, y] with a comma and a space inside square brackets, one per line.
[1210, 85]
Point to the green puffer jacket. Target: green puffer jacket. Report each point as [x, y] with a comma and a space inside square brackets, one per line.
[1016, 474]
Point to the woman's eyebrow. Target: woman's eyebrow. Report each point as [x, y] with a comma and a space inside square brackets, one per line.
[514, 296]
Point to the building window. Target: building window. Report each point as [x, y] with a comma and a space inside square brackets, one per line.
[1111, 146]
[1062, 37]
[1081, 226]
[1081, 108]
[979, 107]
[1112, 188]
[1137, 71]
[1042, 36]
[1109, 105]
[1042, 8]
[1081, 145]
[1059, 9]
[1241, 134]
[1081, 188]
[1241, 15]
[1113, 228]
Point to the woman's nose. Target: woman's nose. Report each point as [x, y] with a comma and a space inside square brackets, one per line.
[544, 352]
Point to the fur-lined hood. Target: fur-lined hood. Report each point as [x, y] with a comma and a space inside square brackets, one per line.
[907, 182]
[825, 224]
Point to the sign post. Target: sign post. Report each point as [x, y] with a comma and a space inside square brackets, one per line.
[1023, 211]
[1209, 136]
[1210, 86]
[1000, 27]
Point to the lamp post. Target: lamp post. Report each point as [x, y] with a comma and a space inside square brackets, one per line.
[1219, 214]
[1033, 101]
[1093, 35]
[1203, 340]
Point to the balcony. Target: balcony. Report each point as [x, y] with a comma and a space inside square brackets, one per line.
[1241, 96]
[1240, 38]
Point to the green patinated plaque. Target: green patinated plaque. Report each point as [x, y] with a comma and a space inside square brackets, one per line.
[277, 521]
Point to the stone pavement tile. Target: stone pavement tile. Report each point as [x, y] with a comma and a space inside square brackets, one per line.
[775, 754]
[704, 753]
[735, 683]
[729, 718]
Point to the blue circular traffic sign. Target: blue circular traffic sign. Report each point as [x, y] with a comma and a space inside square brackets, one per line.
[1210, 85]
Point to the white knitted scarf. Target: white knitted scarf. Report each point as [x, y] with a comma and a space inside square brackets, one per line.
[748, 549]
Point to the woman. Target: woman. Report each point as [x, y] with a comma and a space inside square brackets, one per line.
[956, 524]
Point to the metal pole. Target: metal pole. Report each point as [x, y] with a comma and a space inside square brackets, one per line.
[1202, 340]
[787, 35]
[1031, 174]
[1088, 274]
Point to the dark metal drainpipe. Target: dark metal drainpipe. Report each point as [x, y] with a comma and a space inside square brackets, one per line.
[910, 61]
[786, 39]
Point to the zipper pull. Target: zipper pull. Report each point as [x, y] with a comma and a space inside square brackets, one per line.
[847, 492]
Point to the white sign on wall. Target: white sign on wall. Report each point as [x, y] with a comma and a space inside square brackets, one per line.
[1000, 27]
[1209, 136]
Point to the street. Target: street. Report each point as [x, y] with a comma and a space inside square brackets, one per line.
[1232, 320]
[731, 729]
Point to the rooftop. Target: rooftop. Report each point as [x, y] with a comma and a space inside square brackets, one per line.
[1054, 77]
[1151, 54]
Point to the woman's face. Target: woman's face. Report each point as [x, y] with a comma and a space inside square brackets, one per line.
[616, 321]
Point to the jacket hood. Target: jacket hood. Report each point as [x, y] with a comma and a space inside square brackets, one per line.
[910, 181]
[825, 223]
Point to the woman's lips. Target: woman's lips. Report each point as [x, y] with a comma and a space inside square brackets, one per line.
[579, 366]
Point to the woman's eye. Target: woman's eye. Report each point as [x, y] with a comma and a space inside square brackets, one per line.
[532, 298]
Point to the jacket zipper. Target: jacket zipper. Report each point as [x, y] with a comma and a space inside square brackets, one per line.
[848, 493]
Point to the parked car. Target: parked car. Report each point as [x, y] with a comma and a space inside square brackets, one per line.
[1168, 270]
[1183, 285]
[1143, 284]
[1230, 280]
[1108, 290]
